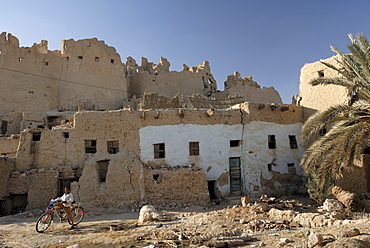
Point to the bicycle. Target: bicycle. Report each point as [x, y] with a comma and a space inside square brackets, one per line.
[44, 221]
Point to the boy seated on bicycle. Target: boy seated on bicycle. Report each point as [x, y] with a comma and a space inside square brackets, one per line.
[67, 199]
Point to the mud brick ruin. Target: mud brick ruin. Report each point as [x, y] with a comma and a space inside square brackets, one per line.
[122, 133]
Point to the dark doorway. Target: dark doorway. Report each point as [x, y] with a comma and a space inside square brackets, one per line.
[62, 184]
[19, 203]
[4, 127]
[235, 176]
[211, 189]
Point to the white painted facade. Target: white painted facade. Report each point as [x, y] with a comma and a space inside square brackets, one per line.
[215, 150]
[256, 154]
[214, 146]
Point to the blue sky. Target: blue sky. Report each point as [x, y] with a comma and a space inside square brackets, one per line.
[269, 40]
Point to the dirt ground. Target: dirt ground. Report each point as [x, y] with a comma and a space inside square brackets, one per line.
[190, 227]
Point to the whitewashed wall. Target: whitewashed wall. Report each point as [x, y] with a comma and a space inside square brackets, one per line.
[215, 150]
[214, 143]
[256, 154]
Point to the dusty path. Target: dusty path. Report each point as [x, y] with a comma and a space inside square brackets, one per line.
[184, 226]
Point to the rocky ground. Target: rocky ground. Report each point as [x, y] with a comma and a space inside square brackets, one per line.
[288, 223]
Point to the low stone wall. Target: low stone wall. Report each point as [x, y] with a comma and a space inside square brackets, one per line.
[181, 184]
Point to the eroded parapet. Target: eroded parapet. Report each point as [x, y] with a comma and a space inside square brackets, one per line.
[236, 80]
[199, 101]
[8, 40]
[154, 101]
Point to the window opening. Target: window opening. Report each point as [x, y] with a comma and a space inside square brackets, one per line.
[234, 143]
[36, 136]
[293, 142]
[80, 57]
[193, 148]
[103, 170]
[159, 150]
[66, 135]
[96, 59]
[113, 147]
[321, 73]
[269, 167]
[271, 142]
[20, 59]
[90, 146]
[112, 61]
[155, 177]
[46, 63]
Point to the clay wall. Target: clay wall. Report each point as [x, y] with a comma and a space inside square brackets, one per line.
[35, 79]
[166, 184]
[320, 97]
[170, 83]
[249, 90]
[9, 145]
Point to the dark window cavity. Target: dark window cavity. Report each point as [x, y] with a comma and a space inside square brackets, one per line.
[36, 136]
[193, 148]
[66, 135]
[321, 73]
[271, 142]
[293, 142]
[113, 147]
[159, 150]
[90, 146]
[234, 143]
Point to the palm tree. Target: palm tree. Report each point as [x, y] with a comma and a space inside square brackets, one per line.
[336, 152]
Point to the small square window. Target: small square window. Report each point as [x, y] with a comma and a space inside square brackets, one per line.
[112, 61]
[159, 150]
[20, 59]
[66, 135]
[90, 146]
[96, 59]
[36, 136]
[80, 57]
[321, 73]
[271, 142]
[293, 142]
[46, 63]
[234, 143]
[193, 148]
[113, 147]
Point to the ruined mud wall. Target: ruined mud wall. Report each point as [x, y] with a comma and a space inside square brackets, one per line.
[168, 83]
[322, 96]
[249, 90]
[356, 179]
[38, 185]
[7, 165]
[181, 184]
[36, 79]
[9, 145]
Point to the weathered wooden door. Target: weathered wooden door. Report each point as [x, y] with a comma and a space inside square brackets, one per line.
[235, 176]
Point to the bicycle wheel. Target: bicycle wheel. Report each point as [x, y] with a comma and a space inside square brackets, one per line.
[43, 222]
[77, 214]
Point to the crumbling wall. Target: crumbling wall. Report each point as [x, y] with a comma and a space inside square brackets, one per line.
[9, 145]
[180, 184]
[199, 101]
[357, 178]
[123, 185]
[38, 80]
[153, 101]
[249, 90]
[6, 167]
[39, 185]
[158, 78]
